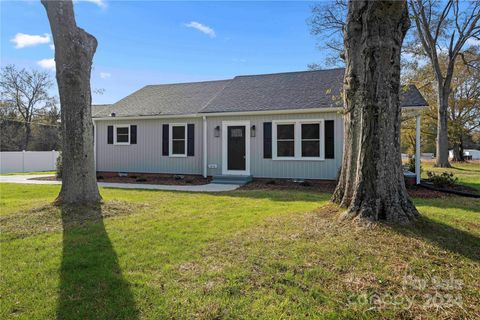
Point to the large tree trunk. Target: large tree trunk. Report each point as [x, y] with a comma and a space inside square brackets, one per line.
[371, 183]
[442, 129]
[74, 50]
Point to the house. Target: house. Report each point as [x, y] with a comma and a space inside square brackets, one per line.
[469, 154]
[284, 125]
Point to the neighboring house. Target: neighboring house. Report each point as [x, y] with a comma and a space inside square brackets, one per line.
[285, 125]
[470, 154]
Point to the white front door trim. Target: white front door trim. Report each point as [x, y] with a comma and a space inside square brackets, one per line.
[225, 125]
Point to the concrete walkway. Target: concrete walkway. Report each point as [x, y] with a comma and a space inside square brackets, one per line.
[211, 187]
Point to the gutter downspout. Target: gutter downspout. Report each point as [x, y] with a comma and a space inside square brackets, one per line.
[205, 158]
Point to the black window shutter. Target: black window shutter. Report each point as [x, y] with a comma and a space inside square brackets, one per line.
[267, 140]
[190, 139]
[110, 134]
[165, 140]
[329, 140]
[133, 134]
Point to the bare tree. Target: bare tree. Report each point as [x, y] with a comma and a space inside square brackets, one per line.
[74, 50]
[371, 184]
[25, 93]
[445, 30]
[327, 23]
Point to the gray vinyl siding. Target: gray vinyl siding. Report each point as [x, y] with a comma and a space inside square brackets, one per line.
[268, 168]
[146, 155]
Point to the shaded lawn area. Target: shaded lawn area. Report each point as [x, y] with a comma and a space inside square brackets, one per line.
[468, 173]
[243, 254]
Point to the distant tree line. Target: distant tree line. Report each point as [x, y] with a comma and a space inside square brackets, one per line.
[29, 115]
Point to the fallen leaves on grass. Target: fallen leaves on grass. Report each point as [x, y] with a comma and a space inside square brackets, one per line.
[315, 264]
[51, 218]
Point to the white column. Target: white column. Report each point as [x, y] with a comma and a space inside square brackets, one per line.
[95, 145]
[417, 148]
[205, 159]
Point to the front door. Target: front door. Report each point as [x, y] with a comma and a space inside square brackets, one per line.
[236, 151]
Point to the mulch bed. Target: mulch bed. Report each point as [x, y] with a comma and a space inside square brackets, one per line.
[151, 179]
[329, 187]
[287, 184]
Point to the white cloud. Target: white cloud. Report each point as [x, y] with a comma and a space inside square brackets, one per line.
[239, 60]
[101, 3]
[47, 64]
[52, 46]
[22, 40]
[202, 28]
[105, 75]
[473, 42]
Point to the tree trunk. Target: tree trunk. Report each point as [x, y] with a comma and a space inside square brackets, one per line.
[28, 133]
[74, 50]
[371, 183]
[458, 150]
[442, 129]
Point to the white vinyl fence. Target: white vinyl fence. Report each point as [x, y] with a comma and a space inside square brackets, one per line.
[27, 161]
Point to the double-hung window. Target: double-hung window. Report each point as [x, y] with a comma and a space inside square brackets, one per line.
[310, 140]
[298, 140]
[178, 140]
[286, 140]
[122, 134]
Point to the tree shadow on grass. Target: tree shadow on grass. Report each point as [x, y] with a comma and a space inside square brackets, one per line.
[444, 236]
[91, 281]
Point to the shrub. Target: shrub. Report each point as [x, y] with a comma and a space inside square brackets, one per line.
[306, 183]
[441, 180]
[59, 166]
[411, 165]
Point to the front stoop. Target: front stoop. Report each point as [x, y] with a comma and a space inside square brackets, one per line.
[232, 179]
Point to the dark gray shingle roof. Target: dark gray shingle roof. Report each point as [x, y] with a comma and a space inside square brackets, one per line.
[280, 91]
[167, 99]
[100, 110]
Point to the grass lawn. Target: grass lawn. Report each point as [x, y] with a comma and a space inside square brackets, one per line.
[468, 173]
[243, 254]
[23, 173]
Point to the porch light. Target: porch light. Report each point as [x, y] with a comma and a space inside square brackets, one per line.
[216, 131]
[252, 131]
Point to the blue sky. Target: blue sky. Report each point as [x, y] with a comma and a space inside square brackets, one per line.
[154, 42]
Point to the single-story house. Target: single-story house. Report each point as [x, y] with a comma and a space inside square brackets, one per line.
[284, 125]
[470, 154]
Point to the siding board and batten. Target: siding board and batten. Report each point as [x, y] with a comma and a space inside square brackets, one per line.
[259, 100]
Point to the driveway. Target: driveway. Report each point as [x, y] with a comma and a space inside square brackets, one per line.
[211, 187]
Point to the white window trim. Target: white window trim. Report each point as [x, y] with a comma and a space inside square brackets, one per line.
[225, 125]
[170, 140]
[115, 135]
[298, 139]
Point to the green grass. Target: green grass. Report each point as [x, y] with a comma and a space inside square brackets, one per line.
[244, 254]
[23, 173]
[468, 173]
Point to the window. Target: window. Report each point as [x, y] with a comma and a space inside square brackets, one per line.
[286, 140]
[178, 134]
[298, 140]
[122, 134]
[310, 140]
